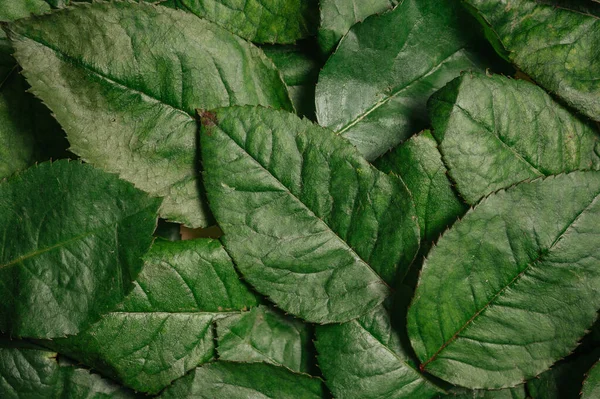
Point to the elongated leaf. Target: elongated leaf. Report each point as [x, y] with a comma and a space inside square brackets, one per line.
[243, 380]
[556, 46]
[494, 132]
[338, 16]
[260, 21]
[263, 335]
[307, 220]
[72, 241]
[33, 373]
[165, 326]
[373, 90]
[364, 359]
[591, 385]
[512, 287]
[129, 87]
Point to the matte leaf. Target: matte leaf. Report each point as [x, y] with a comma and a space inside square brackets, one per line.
[260, 21]
[11, 10]
[374, 88]
[364, 359]
[591, 385]
[494, 132]
[125, 92]
[165, 326]
[73, 237]
[513, 286]
[307, 220]
[244, 380]
[264, 335]
[556, 46]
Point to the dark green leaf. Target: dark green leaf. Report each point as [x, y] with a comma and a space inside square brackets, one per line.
[306, 219]
[591, 385]
[244, 380]
[557, 47]
[513, 286]
[494, 132]
[373, 90]
[125, 92]
[509, 393]
[73, 237]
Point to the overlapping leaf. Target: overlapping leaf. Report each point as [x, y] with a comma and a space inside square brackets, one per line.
[591, 385]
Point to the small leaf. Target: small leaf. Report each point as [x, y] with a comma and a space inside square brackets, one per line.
[591, 385]
[513, 286]
[73, 241]
[244, 380]
[494, 132]
[306, 219]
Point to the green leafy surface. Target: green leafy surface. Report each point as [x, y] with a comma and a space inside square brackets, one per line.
[11, 10]
[125, 92]
[165, 326]
[374, 88]
[508, 393]
[556, 46]
[260, 21]
[513, 286]
[31, 373]
[591, 385]
[264, 335]
[69, 250]
[338, 16]
[244, 380]
[420, 165]
[307, 220]
[365, 359]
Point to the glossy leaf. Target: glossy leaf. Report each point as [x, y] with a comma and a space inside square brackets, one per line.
[364, 359]
[70, 250]
[374, 88]
[128, 88]
[244, 380]
[591, 385]
[307, 220]
[264, 335]
[556, 46]
[494, 132]
[508, 393]
[513, 286]
[165, 326]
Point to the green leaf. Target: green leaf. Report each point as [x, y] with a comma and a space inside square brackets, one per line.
[264, 335]
[307, 220]
[260, 21]
[556, 46]
[73, 237]
[364, 359]
[494, 132]
[338, 16]
[509, 393]
[244, 380]
[591, 385]
[374, 89]
[419, 164]
[130, 86]
[165, 326]
[31, 373]
[511, 288]
[11, 10]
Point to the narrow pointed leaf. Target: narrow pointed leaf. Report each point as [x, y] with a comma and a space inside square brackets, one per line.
[128, 89]
[591, 385]
[307, 220]
[513, 286]
[418, 47]
[556, 46]
[70, 250]
[494, 132]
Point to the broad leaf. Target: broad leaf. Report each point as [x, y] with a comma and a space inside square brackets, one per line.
[73, 237]
[494, 132]
[591, 385]
[11, 10]
[307, 220]
[129, 88]
[556, 46]
[26, 372]
[165, 326]
[508, 393]
[364, 359]
[513, 286]
[264, 335]
[373, 90]
[244, 380]
[273, 21]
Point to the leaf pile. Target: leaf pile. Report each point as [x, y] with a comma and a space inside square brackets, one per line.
[292, 199]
